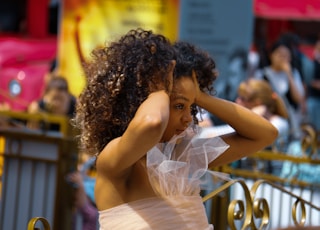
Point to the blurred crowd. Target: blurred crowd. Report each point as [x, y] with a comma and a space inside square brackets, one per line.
[282, 85]
[292, 91]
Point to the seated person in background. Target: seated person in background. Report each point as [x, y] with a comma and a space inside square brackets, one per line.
[258, 96]
[56, 100]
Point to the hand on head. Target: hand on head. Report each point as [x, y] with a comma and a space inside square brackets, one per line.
[196, 83]
[170, 76]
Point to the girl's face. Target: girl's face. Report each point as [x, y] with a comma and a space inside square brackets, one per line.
[181, 99]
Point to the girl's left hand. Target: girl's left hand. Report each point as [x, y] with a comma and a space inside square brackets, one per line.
[170, 76]
[196, 83]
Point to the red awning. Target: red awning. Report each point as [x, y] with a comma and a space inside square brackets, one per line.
[288, 9]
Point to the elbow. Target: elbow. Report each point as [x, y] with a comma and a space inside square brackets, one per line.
[272, 135]
[153, 126]
[153, 122]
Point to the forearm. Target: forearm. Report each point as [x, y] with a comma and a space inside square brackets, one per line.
[245, 122]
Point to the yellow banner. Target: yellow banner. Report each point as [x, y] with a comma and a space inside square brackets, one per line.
[86, 24]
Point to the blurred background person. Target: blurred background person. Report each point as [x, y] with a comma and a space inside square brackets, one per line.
[286, 81]
[299, 60]
[258, 96]
[56, 100]
[313, 91]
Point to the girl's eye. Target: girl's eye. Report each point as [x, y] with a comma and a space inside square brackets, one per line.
[179, 106]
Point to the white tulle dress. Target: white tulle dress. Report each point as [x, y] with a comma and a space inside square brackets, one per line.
[177, 171]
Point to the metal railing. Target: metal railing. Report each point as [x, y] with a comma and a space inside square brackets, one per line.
[259, 198]
[18, 119]
[265, 199]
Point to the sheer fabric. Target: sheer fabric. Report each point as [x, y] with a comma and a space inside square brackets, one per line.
[179, 213]
[180, 166]
[177, 171]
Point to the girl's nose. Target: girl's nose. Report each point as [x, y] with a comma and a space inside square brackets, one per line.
[187, 117]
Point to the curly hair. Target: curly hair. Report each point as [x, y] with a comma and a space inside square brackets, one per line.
[120, 77]
[191, 58]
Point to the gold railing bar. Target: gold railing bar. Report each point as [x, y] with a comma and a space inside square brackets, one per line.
[255, 186]
[303, 213]
[261, 175]
[63, 121]
[278, 156]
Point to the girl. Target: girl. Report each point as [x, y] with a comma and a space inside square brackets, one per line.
[138, 118]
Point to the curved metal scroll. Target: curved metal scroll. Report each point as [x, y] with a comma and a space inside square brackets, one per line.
[33, 221]
[237, 209]
[258, 208]
[300, 202]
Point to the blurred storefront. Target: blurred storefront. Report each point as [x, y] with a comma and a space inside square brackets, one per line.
[38, 31]
[28, 46]
[90, 23]
[273, 18]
